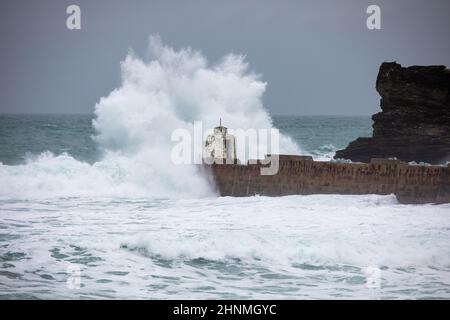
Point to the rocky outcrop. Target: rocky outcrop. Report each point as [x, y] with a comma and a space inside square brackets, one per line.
[414, 124]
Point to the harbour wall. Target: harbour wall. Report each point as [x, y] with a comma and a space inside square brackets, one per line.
[300, 175]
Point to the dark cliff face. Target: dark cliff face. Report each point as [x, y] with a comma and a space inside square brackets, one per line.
[414, 124]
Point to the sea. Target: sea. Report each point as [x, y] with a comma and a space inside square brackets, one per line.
[104, 205]
[77, 223]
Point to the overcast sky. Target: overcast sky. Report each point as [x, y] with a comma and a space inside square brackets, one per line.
[318, 57]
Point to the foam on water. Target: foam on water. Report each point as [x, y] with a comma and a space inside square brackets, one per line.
[169, 90]
[289, 247]
[299, 244]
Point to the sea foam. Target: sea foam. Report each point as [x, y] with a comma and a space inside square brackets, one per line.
[169, 90]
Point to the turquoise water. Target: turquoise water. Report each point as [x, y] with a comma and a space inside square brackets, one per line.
[26, 135]
[321, 136]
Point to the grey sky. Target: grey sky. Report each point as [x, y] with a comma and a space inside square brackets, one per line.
[318, 58]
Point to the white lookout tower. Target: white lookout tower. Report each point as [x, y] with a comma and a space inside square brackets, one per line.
[220, 146]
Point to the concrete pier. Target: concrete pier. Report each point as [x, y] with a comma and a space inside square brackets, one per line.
[412, 184]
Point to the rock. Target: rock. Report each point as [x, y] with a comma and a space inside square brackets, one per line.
[414, 124]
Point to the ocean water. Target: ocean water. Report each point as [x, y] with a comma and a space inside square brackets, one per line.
[24, 137]
[313, 247]
[92, 206]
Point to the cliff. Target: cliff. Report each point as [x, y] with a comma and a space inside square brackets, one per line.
[301, 175]
[414, 124]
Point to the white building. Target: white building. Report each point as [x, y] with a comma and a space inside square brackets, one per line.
[220, 147]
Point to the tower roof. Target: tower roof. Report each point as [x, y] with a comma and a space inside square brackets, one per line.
[220, 127]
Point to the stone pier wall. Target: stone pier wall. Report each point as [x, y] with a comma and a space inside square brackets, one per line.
[411, 184]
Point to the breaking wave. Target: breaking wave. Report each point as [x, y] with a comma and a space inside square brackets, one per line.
[169, 90]
[319, 230]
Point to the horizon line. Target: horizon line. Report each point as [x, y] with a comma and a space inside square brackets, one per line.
[272, 115]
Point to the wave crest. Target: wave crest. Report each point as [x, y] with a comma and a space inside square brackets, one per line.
[134, 123]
